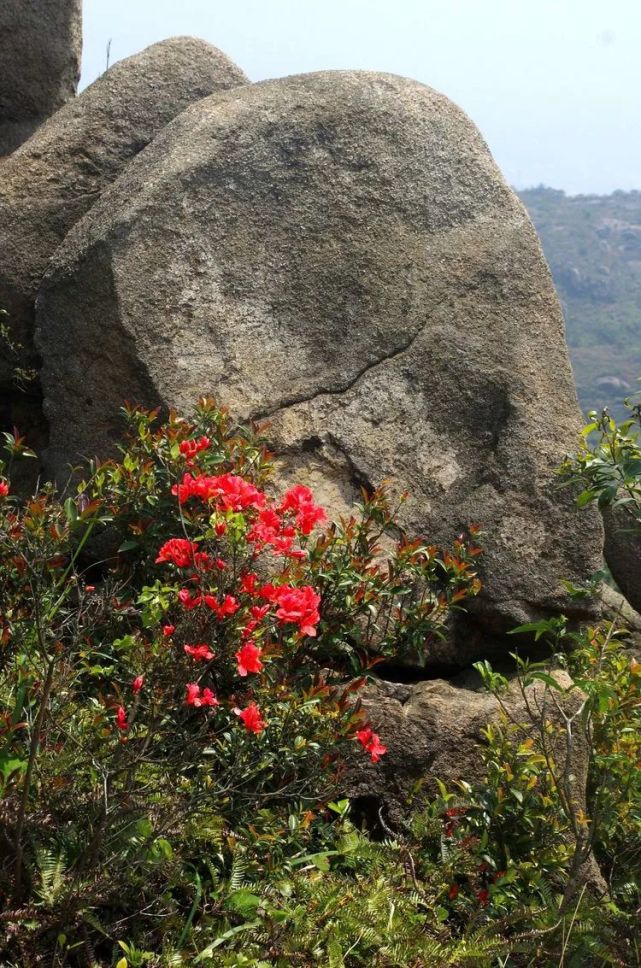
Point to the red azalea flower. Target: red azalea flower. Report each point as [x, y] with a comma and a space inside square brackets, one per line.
[300, 500]
[453, 892]
[270, 530]
[203, 562]
[371, 742]
[297, 554]
[121, 719]
[259, 612]
[282, 543]
[267, 591]
[252, 718]
[4, 488]
[295, 497]
[248, 657]
[189, 448]
[177, 551]
[248, 583]
[221, 528]
[168, 630]
[298, 605]
[193, 693]
[198, 698]
[137, 684]
[228, 491]
[189, 599]
[208, 698]
[228, 606]
[376, 749]
[201, 653]
[483, 897]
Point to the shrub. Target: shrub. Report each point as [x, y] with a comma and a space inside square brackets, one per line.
[607, 465]
[181, 655]
[181, 652]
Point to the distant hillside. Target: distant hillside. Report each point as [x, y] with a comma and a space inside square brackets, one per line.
[593, 245]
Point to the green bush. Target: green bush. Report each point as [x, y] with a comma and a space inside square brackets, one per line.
[182, 651]
[607, 466]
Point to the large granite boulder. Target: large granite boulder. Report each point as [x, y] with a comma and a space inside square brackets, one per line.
[53, 179]
[336, 252]
[40, 48]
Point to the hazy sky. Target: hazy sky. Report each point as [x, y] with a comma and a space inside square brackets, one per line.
[554, 85]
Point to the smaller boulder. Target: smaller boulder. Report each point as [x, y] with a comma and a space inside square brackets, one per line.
[433, 731]
[53, 179]
[617, 609]
[623, 553]
[40, 48]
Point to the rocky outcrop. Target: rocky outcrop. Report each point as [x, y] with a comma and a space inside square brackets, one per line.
[433, 730]
[52, 180]
[623, 552]
[40, 48]
[339, 254]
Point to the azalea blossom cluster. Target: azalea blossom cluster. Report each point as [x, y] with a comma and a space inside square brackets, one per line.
[219, 590]
[371, 743]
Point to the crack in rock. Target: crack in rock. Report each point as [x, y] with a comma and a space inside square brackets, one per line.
[350, 384]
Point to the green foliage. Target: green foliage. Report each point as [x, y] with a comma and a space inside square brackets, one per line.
[608, 464]
[177, 683]
[147, 823]
[22, 374]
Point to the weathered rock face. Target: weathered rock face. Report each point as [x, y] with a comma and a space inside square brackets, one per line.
[337, 252]
[40, 48]
[623, 553]
[52, 180]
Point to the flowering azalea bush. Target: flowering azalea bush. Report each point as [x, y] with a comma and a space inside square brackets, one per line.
[182, 650]
[182, 646]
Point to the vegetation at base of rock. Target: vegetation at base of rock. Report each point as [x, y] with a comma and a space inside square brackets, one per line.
[198, 683]
[607, 469]
[163, 805]
[593, 245]
[608, 463]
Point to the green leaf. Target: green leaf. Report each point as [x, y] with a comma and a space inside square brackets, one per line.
[208, 952]
[547, 679]
[608, 495]
[243, 902]
[584, 498]
[10, 765]
[129, 545]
